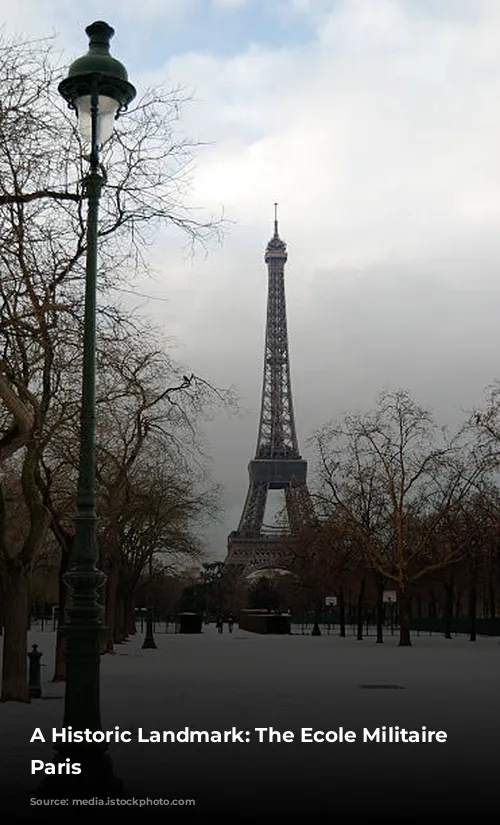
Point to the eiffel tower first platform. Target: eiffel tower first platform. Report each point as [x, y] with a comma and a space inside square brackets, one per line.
[278, 464]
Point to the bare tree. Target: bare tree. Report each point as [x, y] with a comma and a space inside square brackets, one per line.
[148, 412]
[42, 256]
[411, 473]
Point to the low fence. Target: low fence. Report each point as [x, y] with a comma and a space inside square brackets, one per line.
[458, 627]
[304, 628]
[169, 625]
[48, 624]
[43, 623]
[329, 624]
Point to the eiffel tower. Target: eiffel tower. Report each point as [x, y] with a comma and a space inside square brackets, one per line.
[278, 464]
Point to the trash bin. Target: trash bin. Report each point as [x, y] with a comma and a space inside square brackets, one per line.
[190, 622]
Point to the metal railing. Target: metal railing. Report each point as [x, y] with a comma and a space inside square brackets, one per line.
[329, 624]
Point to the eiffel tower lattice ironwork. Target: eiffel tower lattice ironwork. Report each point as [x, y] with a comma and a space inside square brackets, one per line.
[278, 464]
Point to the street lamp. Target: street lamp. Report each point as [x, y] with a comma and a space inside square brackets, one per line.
[149, 639]
[97, 89]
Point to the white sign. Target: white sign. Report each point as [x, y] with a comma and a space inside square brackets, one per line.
[331, 601]
[390, 597]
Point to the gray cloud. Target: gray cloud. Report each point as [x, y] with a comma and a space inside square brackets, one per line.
[380, 142]
[379, 138]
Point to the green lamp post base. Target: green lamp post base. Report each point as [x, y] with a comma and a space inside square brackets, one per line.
[149, 639]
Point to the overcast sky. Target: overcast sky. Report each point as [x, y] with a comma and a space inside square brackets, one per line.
[376, 126]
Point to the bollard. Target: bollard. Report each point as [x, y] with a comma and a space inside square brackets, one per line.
[34, 684]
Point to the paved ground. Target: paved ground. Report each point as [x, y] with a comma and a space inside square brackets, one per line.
[211, 682]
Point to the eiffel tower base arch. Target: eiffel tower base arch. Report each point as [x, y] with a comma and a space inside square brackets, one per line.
[247, 555]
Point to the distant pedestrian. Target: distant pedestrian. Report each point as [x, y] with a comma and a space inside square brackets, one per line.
[219, 624]
[230, 623]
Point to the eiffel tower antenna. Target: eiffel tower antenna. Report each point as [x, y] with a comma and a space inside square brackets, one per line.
[278, 464]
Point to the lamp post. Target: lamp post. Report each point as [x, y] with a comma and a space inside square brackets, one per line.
[97, 89]
[149, 639]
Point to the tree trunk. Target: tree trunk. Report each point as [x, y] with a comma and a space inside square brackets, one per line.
[404, 619]
[111, 606]
[131, 628]
[492, 601]
[131, 616]
[126, 617]
[124, 602]
[15, 583]
[60, 653]
[473, 606]
[448, 608]
[117, 623]
[119, 634]
[342, 612]
[380, 608]
[360, 608]
[15, 643]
